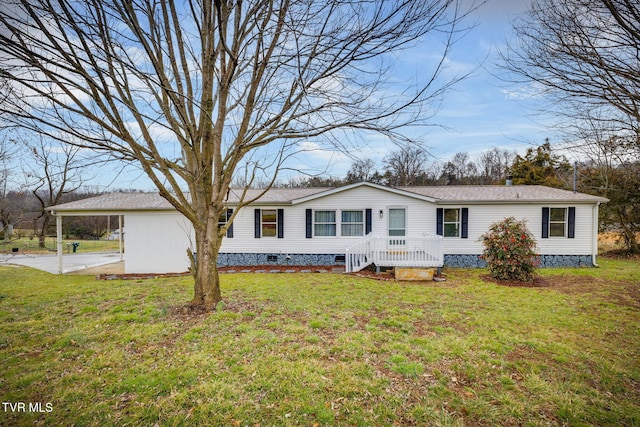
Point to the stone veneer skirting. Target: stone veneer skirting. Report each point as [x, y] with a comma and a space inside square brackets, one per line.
[248, 259]
[453, 261]
[546, 261]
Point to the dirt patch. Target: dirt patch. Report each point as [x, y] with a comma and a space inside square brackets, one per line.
[369, 274]
[537, 282]
[188, 312]
[238, 305]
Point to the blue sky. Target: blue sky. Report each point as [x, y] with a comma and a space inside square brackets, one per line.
[484, 112]
[478, 114]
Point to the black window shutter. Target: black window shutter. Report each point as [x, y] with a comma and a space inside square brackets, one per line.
[440, 222]
[308, 223]
[571, 226]
[257, 225]
[464, 225]
[368, 221]
[545, 223]
[280, 223]
[230, 229]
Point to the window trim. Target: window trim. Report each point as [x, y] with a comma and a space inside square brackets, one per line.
[314, 223]
[458, 222]
[361, 223]
[564, 222]
[569, 222]
[463, 222]
[258, 231]
[273, 223]
[311, 222]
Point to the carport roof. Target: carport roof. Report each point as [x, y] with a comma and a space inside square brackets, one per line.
[114, 203]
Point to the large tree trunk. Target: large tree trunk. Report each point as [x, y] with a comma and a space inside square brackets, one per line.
[206, 279]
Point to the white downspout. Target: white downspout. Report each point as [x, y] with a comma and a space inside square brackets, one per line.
[594, 247]
[59, 241]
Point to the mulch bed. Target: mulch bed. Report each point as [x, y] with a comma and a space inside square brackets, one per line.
[283, 269]
[236, 269]
[139, 276]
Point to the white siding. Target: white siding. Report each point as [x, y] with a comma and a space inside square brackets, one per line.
[482, 216]
[156, 242]
[420, 219]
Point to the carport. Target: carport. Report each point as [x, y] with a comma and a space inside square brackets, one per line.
[85, 207]
[120, 204]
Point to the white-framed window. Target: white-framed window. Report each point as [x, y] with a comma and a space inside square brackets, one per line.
[352, 223]
[451, 222]
[324, 223]
[557, 222]
[269, 222]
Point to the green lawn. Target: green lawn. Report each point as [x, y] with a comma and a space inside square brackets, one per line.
[30, 245]
[323, 349]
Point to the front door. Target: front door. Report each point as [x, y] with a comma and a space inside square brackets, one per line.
[397, 225]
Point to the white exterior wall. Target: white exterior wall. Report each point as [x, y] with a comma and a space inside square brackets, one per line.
[420, 219]
[482, 216]
[156, 242]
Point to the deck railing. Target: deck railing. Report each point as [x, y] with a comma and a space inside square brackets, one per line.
[395, 251]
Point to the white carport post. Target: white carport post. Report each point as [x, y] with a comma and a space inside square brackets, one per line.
[59, 241]
[120, 236]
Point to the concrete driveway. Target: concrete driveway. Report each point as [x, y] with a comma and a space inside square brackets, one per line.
[70, 262]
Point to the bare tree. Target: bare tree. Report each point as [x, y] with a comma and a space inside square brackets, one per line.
[52, 170]
[493, 165]
[361, 170]
[197, 91]
[405, 166]
[608, 169]
[459, 170]
[583, 56]
[7, 211]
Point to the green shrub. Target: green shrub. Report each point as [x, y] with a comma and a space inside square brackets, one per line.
[509, 250]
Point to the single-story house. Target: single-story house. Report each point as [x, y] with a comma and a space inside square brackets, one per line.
[356, 225]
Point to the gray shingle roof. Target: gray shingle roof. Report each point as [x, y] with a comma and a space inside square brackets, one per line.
[116, 202]
[122, 202]
[502, 193]
[275, 195]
